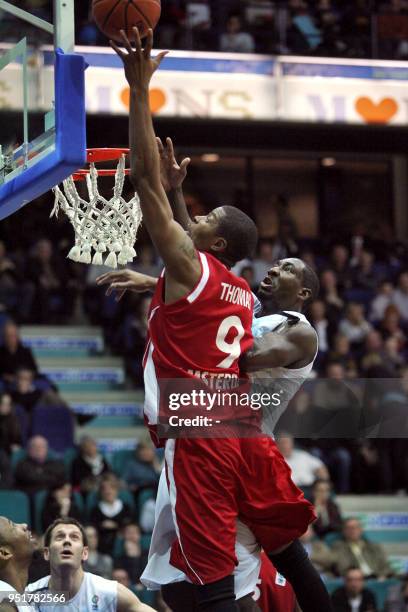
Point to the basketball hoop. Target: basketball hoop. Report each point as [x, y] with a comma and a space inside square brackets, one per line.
[101, 225]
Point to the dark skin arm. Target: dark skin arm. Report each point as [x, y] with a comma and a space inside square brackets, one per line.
[294, 348]
[175, 247]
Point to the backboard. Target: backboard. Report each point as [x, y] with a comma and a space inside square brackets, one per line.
[37, 162]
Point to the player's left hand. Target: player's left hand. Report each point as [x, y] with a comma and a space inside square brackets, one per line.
[172, 174]
[138, 63]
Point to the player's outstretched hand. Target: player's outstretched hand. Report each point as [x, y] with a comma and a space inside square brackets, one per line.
[124, 280]
[138, 63]
[171, 173]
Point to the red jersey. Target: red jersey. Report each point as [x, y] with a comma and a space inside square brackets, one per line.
[202, 335]
[273, 592]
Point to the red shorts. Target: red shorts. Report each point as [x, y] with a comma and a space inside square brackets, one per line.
[211, 483]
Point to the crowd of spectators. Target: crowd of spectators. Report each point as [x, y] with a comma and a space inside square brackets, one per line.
[334, 28]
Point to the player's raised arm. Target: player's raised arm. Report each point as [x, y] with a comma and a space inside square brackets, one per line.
[174, 245]
[172, 177]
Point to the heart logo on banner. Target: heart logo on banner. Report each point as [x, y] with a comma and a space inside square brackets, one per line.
[157, 99]
[371, 112]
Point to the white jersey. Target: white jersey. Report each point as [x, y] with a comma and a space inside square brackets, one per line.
[286, 381]
[159, 571]
[5, 587]
[96, 594]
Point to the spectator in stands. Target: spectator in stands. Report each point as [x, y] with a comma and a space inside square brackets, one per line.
[339, 263]
[110, 515]
[381, 300]
[59, 503]
[234, 39]
[324, 327]
[143, 470]
[355, 551]
[120, 575]
[318, 552]
[391, 327]
[354, 325]
[400, 295]
[88, 467]
[24, 392]
[330, 293]
[97, 563]
[6, 476]
[397, 600]
[132, 559]
[13, 354]
[306, 468]
[264, 260]
[365, 276]
[328, 512]
[10, 428]
[341, 353]
[354, 596]
[16, 294]
[374, 355]
[304, 37]
[36, 472]
[52, 299]
[328, 20]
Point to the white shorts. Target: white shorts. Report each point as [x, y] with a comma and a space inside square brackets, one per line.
[159, 571]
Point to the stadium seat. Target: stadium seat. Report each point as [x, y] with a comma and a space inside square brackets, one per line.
[381, 589]
[15, 506]
[119, 460]
[332, 537]
[55, 423]
[17, 456]
[145, 541]
[69, 456]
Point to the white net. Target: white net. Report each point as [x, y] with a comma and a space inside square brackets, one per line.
[101, 226]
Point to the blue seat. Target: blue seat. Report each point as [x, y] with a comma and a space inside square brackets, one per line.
[17, 456]
[56, 424]
[119, 460]
[331, 538]
[68, 458]
[381, 589]
[15, 506]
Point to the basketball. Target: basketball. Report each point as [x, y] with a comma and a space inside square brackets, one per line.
[111, 16]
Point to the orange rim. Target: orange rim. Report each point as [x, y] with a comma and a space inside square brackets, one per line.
[101, 155]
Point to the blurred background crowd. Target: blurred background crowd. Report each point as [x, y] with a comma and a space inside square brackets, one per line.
[346, 28]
